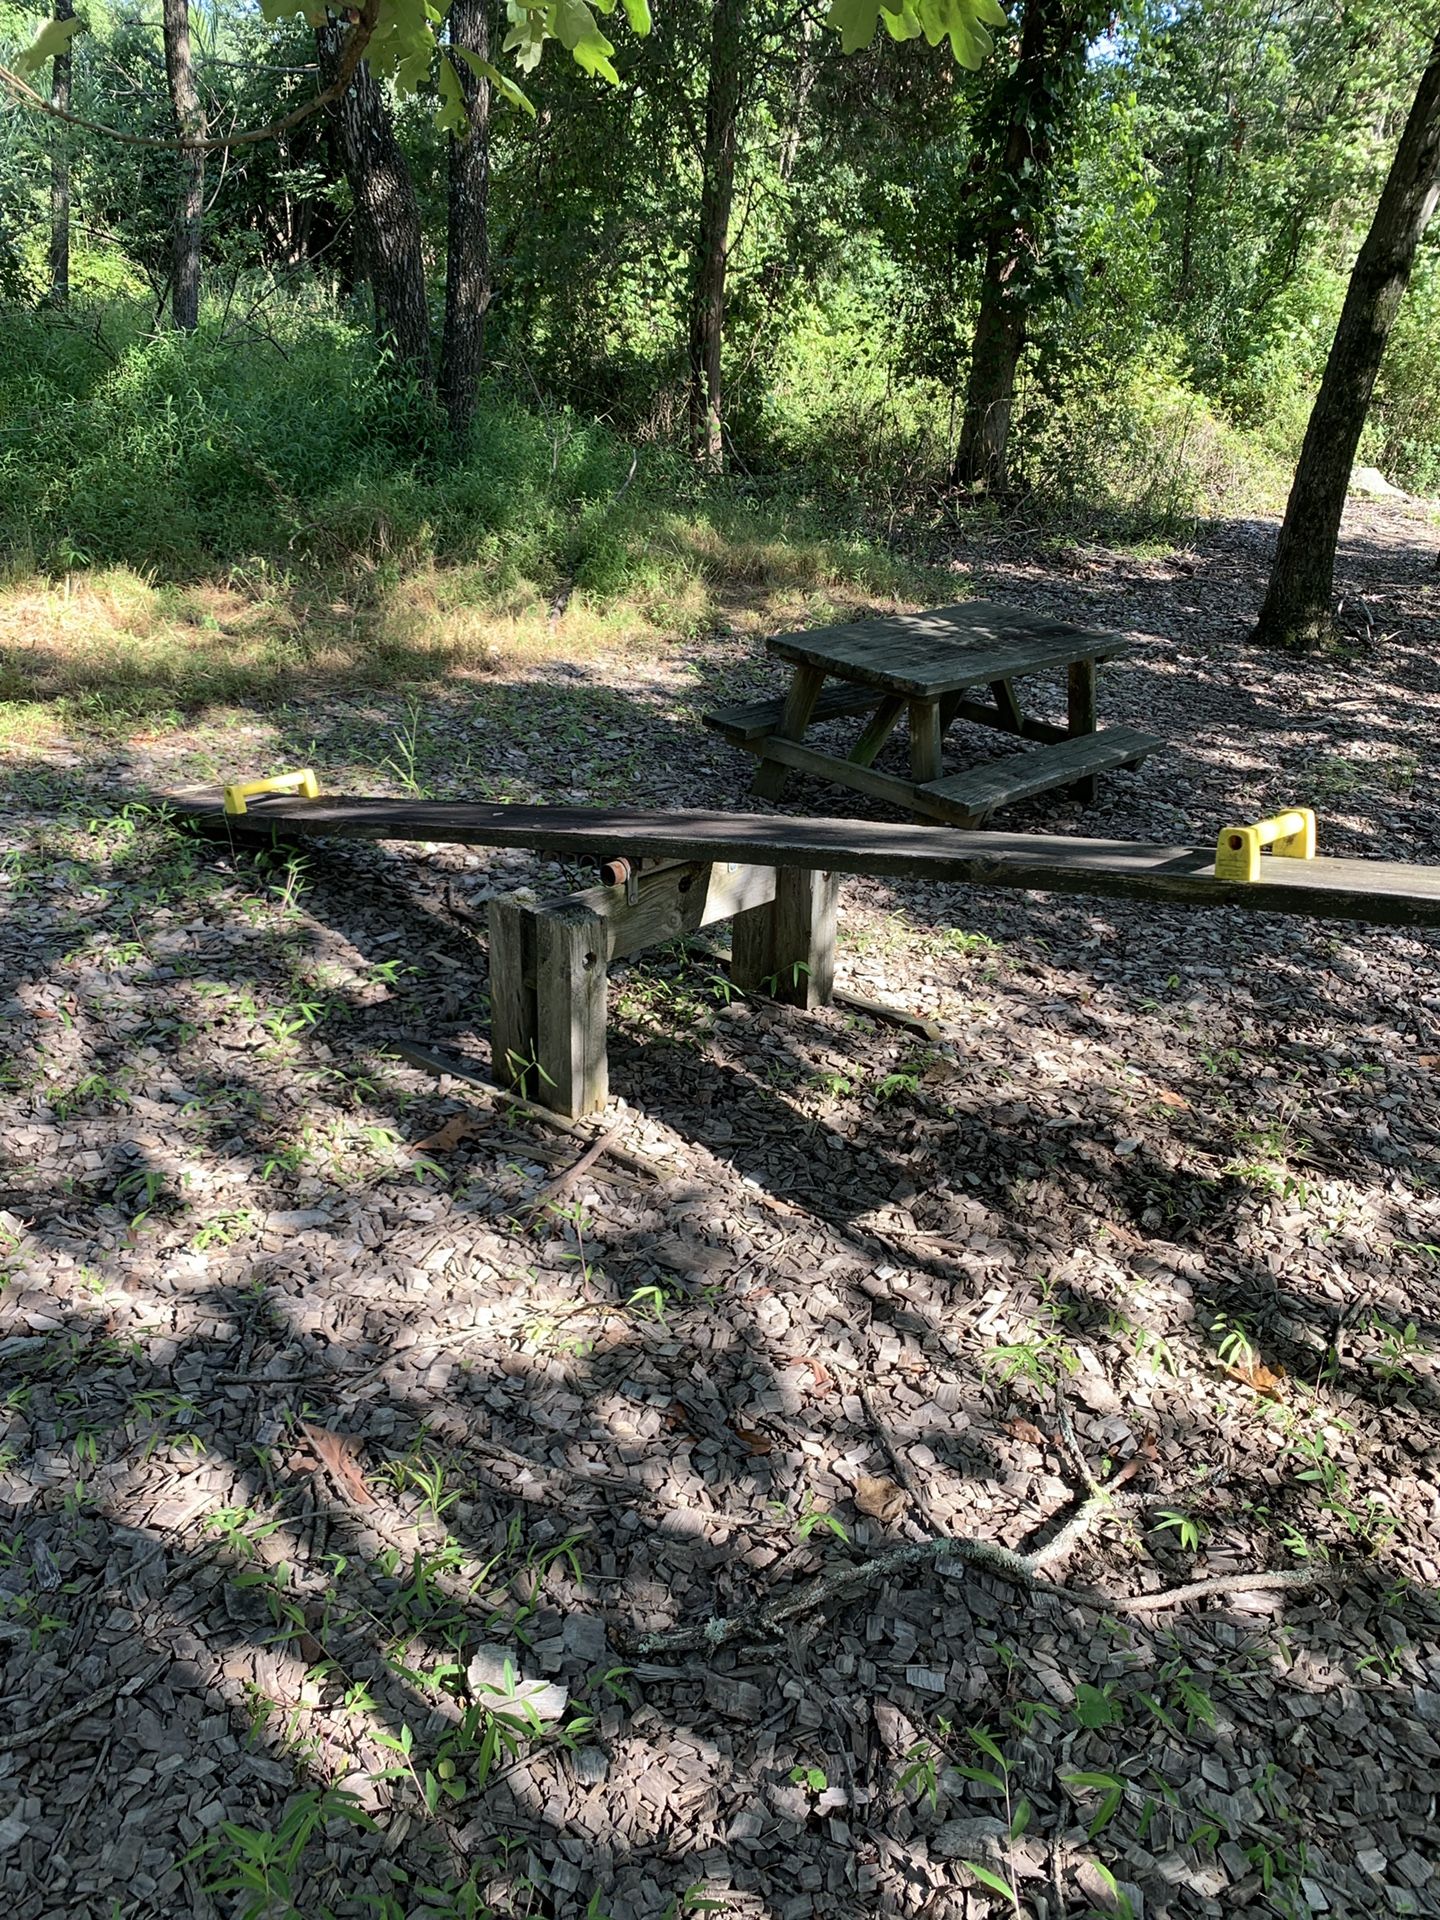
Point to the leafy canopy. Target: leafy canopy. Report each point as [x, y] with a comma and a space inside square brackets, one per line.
[405, 38]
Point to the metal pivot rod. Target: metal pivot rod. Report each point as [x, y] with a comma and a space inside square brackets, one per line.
[549, 961]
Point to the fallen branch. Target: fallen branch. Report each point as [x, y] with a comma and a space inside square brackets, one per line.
[936, 1031]
[565, 1179]
[92, 1703]
[443, 1064]
[764, 1620]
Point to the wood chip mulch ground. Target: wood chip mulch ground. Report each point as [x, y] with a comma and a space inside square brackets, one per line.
[342, 1487]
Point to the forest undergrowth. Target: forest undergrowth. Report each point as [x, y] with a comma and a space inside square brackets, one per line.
[191, 520]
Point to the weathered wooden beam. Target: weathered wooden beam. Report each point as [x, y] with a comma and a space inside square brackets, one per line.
[787, 950]
[925, 762]
[512, 995]
[549, 962]
[1386, 892]
[880, 786]
[671, 901]
[1080, 690]
[881, 726]
[800, 701]
[747, 724]
[570, 1059]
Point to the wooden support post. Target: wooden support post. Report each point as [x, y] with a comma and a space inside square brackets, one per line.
[570, 978]
[512, 996]
[925, 764]
[549, 961]
[771, 775]
[1009, 707]
[1081, 692]
[788, 948]
[878, 731]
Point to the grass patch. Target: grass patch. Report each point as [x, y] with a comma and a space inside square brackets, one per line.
[190, 522]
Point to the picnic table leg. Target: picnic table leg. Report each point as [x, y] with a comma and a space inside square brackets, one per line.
[1081, 692]
[770, 776]
[877, 731]
[1009, 707]
[925, 763]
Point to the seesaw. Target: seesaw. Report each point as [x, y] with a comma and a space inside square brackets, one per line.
[775, 878]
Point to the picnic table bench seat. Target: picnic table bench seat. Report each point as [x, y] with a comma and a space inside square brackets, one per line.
[755, 718]
[969, 798]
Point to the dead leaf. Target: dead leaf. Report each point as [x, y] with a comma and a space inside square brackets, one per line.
[881, 1499]
[752, 1442]
[1263, 1379]
[341, 1457]
[1169, 1098]
[463, 1126]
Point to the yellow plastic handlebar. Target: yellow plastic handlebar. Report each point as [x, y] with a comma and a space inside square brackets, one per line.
[303, 783]
[1292, 834]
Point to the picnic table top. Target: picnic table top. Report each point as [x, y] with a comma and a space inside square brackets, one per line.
[924, 655]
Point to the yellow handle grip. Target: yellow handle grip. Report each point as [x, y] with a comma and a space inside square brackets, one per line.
[303, 783]
[1292, 834]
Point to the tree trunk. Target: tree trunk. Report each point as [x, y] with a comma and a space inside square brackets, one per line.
[387, 214]
[711, 258]
[1050, 35]
[190, 125]
[60, 168]
[1297, 611]
[467, 256]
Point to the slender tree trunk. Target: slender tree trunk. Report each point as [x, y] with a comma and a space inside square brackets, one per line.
[467, 256]
[190, 125]
[1185, 285]
[1297, 609]
[806, 70]
[1050, 36]
[711, 258]
[387, 213]
[60, 168]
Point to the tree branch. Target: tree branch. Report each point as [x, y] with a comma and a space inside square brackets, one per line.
[355, 46]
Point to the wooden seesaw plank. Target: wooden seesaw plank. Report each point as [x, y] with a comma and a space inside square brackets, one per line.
[1382, 891]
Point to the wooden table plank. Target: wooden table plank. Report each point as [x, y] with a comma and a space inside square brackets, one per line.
[924, 655]
[1382, 891]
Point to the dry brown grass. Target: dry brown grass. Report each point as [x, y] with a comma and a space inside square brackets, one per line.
[110, 647]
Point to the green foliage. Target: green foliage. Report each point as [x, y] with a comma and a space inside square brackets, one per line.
[192, 452]
[964, 23]
[261, 1867]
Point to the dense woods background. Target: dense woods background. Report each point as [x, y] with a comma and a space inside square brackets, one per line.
[756, 253]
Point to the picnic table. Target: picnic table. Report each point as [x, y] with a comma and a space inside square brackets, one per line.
[927, 667]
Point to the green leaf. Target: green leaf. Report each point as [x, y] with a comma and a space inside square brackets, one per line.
[502, 83]
[965, 23]
[991, 1880]
[983, 1774]
[573, 25]
[856, 20]
[450, 114]
[54, 37]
